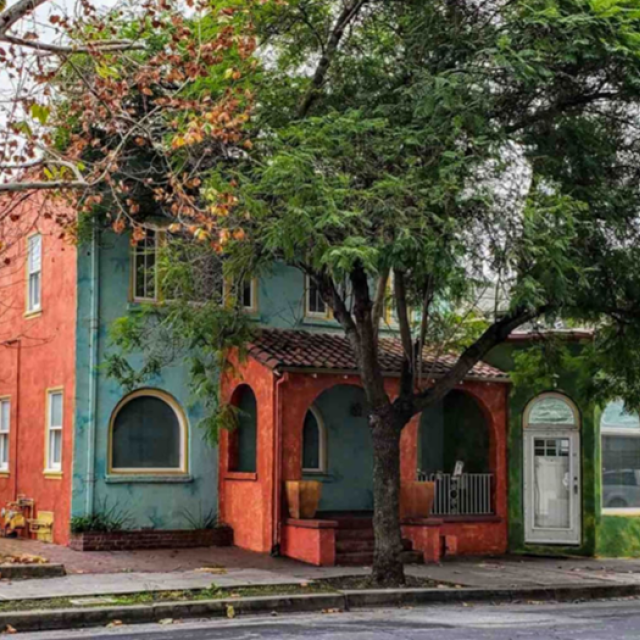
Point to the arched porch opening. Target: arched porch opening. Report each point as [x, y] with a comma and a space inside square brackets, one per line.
[341, 444]
[455, 450]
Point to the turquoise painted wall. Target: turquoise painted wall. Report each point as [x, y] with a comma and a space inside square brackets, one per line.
[153, 502]
[348, 483]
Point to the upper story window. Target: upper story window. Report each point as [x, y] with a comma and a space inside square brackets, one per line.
[5, 420]
[315, 306]
[148, 434]
[200, 281]
[54, 431]
[34, 273]
[145, 275]
[620, 432]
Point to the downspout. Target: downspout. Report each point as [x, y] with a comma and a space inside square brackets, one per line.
[17, 431]
[277, 467]
[94, 328]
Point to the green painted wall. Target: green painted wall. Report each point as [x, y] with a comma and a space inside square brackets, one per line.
[502, 357]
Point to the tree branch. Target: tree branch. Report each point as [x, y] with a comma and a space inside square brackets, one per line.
[348, 14]
[16, 12]
[494, 335]
[53, 49]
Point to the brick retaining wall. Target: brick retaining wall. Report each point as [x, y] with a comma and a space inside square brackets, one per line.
[151, 539]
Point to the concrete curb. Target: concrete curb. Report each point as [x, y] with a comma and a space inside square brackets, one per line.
[344, 601]
[30, 571]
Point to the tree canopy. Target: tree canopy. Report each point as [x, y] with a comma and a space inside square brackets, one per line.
[477, 159]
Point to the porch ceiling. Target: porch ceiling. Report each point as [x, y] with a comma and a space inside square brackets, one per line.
[288, 350]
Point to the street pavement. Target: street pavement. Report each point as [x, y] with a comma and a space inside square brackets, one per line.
[601, 620]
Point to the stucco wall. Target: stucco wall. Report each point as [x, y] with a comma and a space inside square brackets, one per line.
[156, 502]
[37, 354]
[520, 397]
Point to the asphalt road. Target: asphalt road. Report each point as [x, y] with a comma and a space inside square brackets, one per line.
[602, 620]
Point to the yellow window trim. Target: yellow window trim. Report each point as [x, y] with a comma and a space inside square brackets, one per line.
[48, 393]
[184, 426]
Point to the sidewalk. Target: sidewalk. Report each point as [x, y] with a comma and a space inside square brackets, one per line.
[93, 574]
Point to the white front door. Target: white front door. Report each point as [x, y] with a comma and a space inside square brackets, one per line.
[552, 487]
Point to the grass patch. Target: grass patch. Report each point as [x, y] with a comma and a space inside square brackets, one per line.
[350, 583]
[326, 585]
[152, 597]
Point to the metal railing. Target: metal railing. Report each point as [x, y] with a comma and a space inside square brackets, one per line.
[465, 495]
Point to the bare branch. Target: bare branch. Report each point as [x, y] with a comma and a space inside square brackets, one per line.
[105, 46]
[348, 14]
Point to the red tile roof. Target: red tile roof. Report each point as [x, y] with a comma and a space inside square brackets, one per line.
[291, 350]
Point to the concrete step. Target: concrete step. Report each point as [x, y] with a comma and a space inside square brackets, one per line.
[354, 523]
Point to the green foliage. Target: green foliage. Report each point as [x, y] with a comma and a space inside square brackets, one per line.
[104, 519]
[201, 520]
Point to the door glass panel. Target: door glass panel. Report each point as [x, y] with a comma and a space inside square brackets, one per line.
[552, 483]
[551, 410]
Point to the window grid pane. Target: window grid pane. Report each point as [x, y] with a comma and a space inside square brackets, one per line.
[5, 416]
[315, 302]
[4, 451]
[54, 427]
[144, 262]
[34, 268]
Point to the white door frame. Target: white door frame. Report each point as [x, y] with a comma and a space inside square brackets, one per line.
[556, 536]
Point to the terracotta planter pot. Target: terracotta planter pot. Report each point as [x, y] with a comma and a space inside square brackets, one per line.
[303, 497]
[416, 499]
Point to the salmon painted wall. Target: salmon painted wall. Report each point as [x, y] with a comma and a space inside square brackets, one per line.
[246, 499]
[37, 353]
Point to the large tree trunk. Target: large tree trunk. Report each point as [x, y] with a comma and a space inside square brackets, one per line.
[388, 569]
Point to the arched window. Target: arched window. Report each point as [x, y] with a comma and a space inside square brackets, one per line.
[552, 410]
[243, 441]
[148, 434]
[313, 443]
[620, 431]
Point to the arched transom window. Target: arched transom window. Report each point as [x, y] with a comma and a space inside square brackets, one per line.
[552, 410]
[148, 434]
[620, 432]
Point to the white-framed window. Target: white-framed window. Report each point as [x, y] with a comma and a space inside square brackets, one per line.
[34, 273]
[314, 304]
[148, 435]
[314, 443]
[144, 272]
[5, 427]
[54, 430]
[620, 438]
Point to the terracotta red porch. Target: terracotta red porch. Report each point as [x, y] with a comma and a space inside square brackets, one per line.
[287, 371]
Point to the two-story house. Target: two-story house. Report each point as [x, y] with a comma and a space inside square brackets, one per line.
[535, 474]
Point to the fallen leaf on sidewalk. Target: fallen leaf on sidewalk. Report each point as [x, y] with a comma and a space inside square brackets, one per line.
[332, 611]
[304, 584]
[231, 612]
[10, 629]
[166, 621]
[214, 570]
[114, 623]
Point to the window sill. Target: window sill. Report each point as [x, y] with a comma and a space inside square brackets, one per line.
[53, 475]
[148, 479]
[242, 476]
[4, 474]
[28, 315]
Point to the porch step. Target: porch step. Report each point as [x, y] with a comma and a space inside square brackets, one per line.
[363, 546]
[354, 534]
[360, 558]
